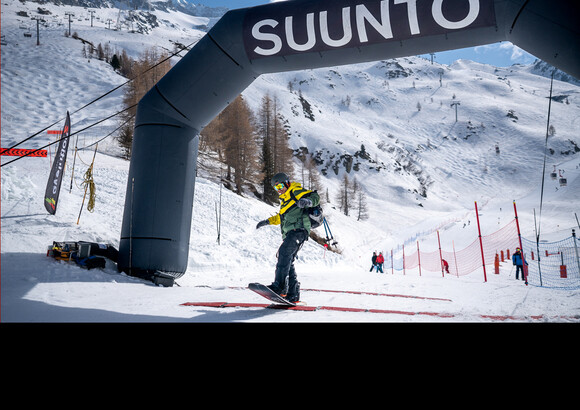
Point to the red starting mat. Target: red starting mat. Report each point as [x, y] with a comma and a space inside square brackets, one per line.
[23, 152]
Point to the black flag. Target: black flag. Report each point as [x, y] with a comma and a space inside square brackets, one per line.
[57, 171]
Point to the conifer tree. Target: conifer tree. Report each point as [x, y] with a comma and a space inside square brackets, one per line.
[232, 135]
[275, 155]
[343, 198]
[363, 210]
[310, 175]
[239, 142]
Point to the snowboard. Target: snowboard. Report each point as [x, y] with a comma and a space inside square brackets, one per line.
[264, 291]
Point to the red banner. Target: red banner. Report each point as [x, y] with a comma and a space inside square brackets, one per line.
[56, 173]
[23, 152]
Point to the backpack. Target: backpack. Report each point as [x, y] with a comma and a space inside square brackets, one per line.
[315, 213]
[316, 217]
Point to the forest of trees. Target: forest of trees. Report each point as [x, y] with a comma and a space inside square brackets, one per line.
[351, 199]
[251, 147]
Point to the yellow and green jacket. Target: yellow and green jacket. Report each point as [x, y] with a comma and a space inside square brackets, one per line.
[290, 216]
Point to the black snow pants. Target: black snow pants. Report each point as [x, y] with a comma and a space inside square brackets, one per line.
[285, 278]
[520, 268]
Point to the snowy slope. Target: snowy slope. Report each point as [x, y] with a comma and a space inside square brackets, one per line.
[454, 163]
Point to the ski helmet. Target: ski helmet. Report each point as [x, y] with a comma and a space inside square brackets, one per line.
[280, 178]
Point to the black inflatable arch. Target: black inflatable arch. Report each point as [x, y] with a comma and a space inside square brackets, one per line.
[288, 36]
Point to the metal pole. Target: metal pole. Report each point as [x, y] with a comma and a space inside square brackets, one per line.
[440, 255]
[419, 257]
[455, 257]
[538, 248]
[525, 269]
[404, 272]
[576, 249]
[69, 20]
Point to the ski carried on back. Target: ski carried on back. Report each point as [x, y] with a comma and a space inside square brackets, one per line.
[264, 291]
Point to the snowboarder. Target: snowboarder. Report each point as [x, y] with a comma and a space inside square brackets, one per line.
[374, 261]
[380, 261]
[518, 261]
[295, 227]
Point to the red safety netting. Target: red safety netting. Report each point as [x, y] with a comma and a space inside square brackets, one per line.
[558, 265]
[460, 262]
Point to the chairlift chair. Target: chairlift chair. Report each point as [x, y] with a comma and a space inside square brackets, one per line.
[562, 180]
[554, 175]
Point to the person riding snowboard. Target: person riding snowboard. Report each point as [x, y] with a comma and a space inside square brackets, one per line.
[295, 226]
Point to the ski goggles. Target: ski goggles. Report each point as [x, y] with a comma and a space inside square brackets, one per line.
[279, 186]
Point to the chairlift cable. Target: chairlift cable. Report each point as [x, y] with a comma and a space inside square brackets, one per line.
[73, 133]
[545, 155]
[92, 102]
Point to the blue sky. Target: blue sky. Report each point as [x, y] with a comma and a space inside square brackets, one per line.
[500, 54]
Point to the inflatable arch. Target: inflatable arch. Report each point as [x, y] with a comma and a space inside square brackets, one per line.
[287, 36]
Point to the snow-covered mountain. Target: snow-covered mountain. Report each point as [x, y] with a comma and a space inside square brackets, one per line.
[143, 12]
[389, 124]
[392, 125]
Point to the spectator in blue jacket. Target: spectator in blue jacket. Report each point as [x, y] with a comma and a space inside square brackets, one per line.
[518, 261]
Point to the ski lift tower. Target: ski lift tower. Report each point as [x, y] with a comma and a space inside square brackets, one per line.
[38, 20]
[69, 14]
[455, 103]
[118, 25]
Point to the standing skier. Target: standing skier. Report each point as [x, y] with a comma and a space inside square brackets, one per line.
[518, 261]
[295, 226]
[380, 261]
[373, 261]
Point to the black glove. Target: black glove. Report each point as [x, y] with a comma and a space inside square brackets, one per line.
[304, 203]
[262, 223]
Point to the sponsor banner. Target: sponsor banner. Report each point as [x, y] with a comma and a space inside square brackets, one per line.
[57, 171]
[295, 27]
[14, 152]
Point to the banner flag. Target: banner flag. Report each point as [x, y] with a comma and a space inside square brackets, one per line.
[57, 171]
[15, 152]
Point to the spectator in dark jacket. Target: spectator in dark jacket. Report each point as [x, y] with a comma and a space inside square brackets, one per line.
[374, 260]
[518, 261]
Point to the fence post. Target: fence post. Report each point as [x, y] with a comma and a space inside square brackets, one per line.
[524, 267]
[392, 264]
[404, 271]
[455, 257]
[440, 255]
[419, 258]
[481, 243]
[576, 248]
[563, 272]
